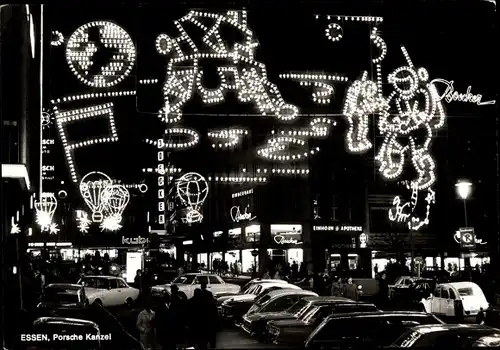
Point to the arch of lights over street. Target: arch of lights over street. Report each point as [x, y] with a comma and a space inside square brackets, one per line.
[412, 93]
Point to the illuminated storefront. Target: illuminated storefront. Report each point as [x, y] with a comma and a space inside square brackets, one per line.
[286, 244]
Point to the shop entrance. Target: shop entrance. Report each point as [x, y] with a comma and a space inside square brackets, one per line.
[347, 264]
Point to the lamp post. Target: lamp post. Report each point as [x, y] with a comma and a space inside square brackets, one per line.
[464, 189]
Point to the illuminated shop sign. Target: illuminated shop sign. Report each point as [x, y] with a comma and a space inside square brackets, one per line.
[135, 241]
[161, 183]
[461, 237]
[234, 232]
[280, 239]
[339, 228]
[286, 234]
[237, 215]
[363, 240]
[450, 95]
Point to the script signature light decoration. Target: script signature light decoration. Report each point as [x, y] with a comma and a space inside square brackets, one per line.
[45, 209]
[237, 215]
[192, 189]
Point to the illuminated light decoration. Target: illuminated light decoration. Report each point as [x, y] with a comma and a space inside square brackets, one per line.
[362, 99]
[161, 183]
[250, 82]
[114, 200]
[46, 119]
[321, 126]
[334, 32]
[237, 179]
[458, 239]
[288, 171]
[148, 81]
[321, 83]
[14, 229]
[180, 132]
[92, 186]
[450, 95]
[366, 19]
[80, 52]
[71, 116]
[45, 209]
[163, 44]
[405, 212]
[57, 38]
[93, 95]
[279, 148]
[83, 221]
[192, 189]
[53, 229]
[231, 137]
[170, 170]
[381, 46]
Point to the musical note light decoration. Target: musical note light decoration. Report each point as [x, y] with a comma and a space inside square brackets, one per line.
[192, 189]
[418, 107]
[45, 209]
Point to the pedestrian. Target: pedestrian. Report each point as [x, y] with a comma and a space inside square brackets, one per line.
[266, 275]
[203, 318]
[375, 269]
[164, 324]
[178, 313]
[351, 290]
[383, 294]
[145, 325]
[337, 288]
[138, 280]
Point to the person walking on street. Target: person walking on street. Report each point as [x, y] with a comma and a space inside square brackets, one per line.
[337, 288]
[383, 294]
[164, 325]
[351, 290]
[145, 325]
[204, 318]
[178, 317]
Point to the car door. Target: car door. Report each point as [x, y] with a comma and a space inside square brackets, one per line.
[216, 285]
[444, 300]
[125, 291]
[435, 300]
[114, 293]
[449, 307]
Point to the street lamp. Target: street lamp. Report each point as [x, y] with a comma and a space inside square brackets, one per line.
[464, 188]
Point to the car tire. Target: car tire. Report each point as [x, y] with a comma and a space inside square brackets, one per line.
[98, 302]
[129, 302]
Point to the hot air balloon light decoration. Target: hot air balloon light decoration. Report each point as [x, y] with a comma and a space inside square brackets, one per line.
[45, 209]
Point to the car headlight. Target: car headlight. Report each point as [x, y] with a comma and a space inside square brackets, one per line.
[360, 286]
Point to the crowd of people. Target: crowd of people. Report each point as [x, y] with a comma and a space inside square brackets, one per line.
[173, 320]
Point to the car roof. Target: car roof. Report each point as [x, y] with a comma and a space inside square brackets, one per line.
[274, 284]
[103, 277]
[196, 274]
[322, 299]
[65, 285]
[378, 314]
[424, 329]
[287, 291]
[264, 280]
[460, 284]
[64, 320]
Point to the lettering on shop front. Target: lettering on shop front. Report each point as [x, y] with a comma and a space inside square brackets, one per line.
[237, 215]
[137, 240]
[279, 239]
[450, 95]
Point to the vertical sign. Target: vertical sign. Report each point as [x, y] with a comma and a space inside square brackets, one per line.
[48, 144]
[161, 183]
[467, 238]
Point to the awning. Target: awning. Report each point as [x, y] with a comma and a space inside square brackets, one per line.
[19, 172]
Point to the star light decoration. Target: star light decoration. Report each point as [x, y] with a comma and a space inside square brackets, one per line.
[45, 209]
[418, 107]
[14, 229]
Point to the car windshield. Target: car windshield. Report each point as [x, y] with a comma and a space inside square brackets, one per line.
[186, 279]
[465, 292]
[408, 339]
[298, 308]
[60, 295]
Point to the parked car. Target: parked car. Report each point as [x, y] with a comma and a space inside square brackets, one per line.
[234, 308]
[255, 290]
[366, 329]
[410, 298]
[296, 332]
[189, 282]
[368, 288]
[48, 327]
[400, 282]
[62, 299]
[297, 310]
[456, 299]
[449, 336]
[277, 301]
[108, 290]
[222, 296]
[163, 276]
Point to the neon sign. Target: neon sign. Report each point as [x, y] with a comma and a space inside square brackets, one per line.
[279, 239]
[450, 95]
[458, 239]
[237, 215]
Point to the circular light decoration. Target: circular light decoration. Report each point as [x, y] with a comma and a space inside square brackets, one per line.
[114, 200]
[57, 38]
[229, 137]
[46, 119]
[163, 44]
[102, 41]
[380, 45]
[192, 190]
[191, 135]
[279, 148]
[334, 32]
[92, 186]
[320, 126]
[143, 188]
[287, 112]
[405, 81]
[62, 194]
